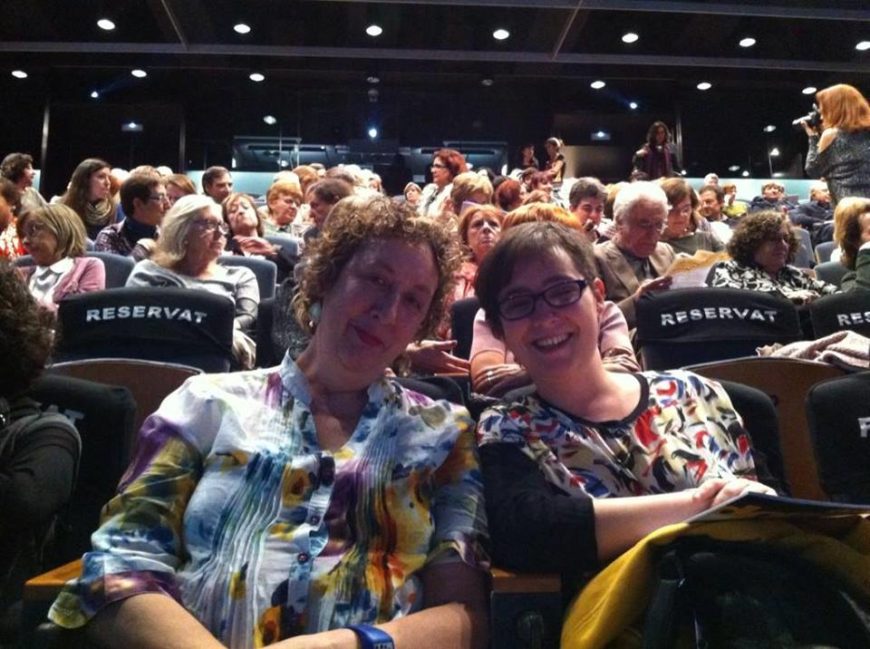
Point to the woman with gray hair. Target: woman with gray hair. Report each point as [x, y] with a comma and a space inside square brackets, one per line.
[192, 237]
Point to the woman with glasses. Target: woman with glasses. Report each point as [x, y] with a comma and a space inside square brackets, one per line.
[446, 165]
[593, 460]
[762, 249]
[192, 238]
[281, 212]
[684, 227]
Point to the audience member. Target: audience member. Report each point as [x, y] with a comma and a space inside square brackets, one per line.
[683, 230]
[178, 185]
[18, 168]
[468, 189]
[217, 183]
[733, 209]
[10, 244]
[144, 201]
[247, 229]
[479, 230]
[321, 197]
[586, 201]
[762, 248]
[555, 164]
[307, 176]
[89, 195]
[711, 201]
[446, 165]
[412, 194]
[509, 194]
[772, 198]
[815, 215]
[387, 480]
[281, 212]
[527, 159]
[841, 154]
[852, 234]
[711, 179]
[55, 237]
[657, 158]
[635, 261]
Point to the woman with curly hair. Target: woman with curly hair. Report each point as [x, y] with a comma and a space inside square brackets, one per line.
[762, 248]
[852, 234]
[318, 503]
[90, 195]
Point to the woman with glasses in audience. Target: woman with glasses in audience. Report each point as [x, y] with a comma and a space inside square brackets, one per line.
[593, 460]
[283, 200]
[852, 234]
[762, 248]
[446, 165]
[684, 229]
[192, 238]
[247, 229]
[89, 195]
[314, 504]
[55, 237]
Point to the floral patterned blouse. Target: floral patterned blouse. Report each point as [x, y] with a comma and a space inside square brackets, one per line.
[790, 282]
[231, 507]
[683, 432]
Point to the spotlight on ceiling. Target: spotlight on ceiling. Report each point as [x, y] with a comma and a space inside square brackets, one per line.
[809, 90]
[487, 82]
[734, 168]
[270, 120]
[774, 152]
[373, 133]
[257, 77]
[863, 46]
[242, 28]
[630, 37]
[745, 174]
[139, 73]
[747, 42]
[501, 34]
[374, 30]
[95, 94]
[704, 85]
[632, 105]
[372, 79]
[598, 84]
[132, 127]
[770, 128]
[105, 24]
[19, 74]
[600, 136]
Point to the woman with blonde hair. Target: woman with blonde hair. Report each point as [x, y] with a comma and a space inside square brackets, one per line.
[852, 235]
[841, 153]
[282, 208]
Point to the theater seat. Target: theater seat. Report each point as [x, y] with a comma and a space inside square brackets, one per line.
[265, 271]
[841, 311]
[824, 251]
[831, 272]
[162, 324]
[696, 325]
[118, 267]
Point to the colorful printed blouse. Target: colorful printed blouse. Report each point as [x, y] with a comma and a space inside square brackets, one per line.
[683, 432]
[10, 245]
[231, 507]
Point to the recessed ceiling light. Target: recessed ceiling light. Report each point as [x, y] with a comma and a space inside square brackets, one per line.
[372, 79]
[704, 85]
[256, 77]
[745, 174]
[778, 174]
[106, 24]
[373, 132]
[598, 84]
[19, 74]
[774, 152]
[242, 28]
[809, 90]
[501, 34]
[138, 73]
[734, 168]
[770, 128]
[747, 42]
[487, 82]
[270, 119]
[630, 37]
[374, 30]
[632, 105]
[863, 46]
[95, 94]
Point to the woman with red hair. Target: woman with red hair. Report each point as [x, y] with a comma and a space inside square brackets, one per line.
[446, 165]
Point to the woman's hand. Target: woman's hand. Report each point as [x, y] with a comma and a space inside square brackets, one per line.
[496, 380]
[255, 246]
[809, 130]
[434, 357]
[718, 490]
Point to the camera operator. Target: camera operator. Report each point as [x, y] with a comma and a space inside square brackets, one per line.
[841, 153]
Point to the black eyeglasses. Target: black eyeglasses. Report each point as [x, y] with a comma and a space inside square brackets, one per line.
[559, 295]
[212, 226]
[438, 165]
[160, 198]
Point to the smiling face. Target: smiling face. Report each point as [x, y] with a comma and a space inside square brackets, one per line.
[772, 254]
[483, 233]
[375, 309]
[99, 185]
[40, 242]
[552, 343]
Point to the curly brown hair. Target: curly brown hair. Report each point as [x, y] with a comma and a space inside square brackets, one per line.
[754, 230]
[348, 230]
[25, 333]
[847, 227]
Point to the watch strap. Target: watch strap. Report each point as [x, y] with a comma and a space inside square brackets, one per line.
[372, 637]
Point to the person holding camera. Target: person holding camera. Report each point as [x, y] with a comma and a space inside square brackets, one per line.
[841, 152]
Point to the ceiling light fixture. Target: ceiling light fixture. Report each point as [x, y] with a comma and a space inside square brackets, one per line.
[747, 42]
[734, 168]
[501, 34]
[704, 85]
[374, 30]
[271, 120]
[632, 105]
[774, 152]
[95, 94]
[630, 37]
[863, 46]
[770, 128]
[19, 74]
[139, 73]
[487, 82]
[257, 77]
[598, 84]
[242, 28]
[809, 90]
[105, 24]
[373, 133]
[372, 79]
[745, 174]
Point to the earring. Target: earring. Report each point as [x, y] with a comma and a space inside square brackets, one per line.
[314, 313]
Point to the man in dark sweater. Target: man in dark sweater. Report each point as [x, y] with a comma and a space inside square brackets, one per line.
[144, 200]
[817, 211]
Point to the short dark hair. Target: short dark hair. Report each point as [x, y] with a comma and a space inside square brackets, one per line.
[753, 230]
[213, 173]
[331, 190]
[586, 187]
[14, 164]
[139, 186]
[529, 240]
[720, 193]
[10, 193]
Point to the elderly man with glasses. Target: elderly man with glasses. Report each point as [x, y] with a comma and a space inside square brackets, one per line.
[635, 261]
[144, 201]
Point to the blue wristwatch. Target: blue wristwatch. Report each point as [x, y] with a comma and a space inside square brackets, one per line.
[372, 637]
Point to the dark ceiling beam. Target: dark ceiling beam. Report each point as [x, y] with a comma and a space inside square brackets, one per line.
[759, 10]
[173, 20]
[566, 29]
[286, 52]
